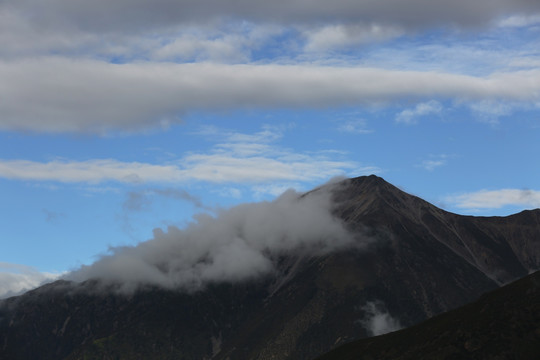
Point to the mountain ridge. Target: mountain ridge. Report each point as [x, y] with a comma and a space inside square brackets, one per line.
[433, 218]
[413, 261]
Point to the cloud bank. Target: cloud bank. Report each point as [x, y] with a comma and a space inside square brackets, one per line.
[128, 15]
[237, 244]
[99, 97]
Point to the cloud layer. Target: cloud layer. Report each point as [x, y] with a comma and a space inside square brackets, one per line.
[235, 157]
[94, 96]
[239, 243]
[128, 15]
[102, 67]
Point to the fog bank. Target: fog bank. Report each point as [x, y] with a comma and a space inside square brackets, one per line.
[236, 244]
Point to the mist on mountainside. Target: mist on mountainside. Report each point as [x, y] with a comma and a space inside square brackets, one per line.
[239, 243]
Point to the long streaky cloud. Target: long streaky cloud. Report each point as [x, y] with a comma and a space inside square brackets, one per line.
[125, 15]
[210, 168]
[94, 96]
[91, 171]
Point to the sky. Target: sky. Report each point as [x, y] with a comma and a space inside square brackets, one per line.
[120, 118]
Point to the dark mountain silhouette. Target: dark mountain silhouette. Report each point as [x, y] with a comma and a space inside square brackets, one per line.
[420, 261]
[503, 324]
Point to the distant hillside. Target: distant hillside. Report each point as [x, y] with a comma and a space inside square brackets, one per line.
[503, 324]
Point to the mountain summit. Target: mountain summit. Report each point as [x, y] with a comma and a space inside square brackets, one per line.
[502, 248]
[404, 261]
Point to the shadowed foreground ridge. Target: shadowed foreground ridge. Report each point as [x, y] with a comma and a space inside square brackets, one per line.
[503, 324]
[412, 261]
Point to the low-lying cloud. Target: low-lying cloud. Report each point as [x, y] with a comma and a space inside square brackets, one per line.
[16, 279]
[239, 243]
[378, 321]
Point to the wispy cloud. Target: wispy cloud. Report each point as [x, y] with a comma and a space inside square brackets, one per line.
[52, 216]
[410, 116]
[490, 111]
[431, 165]
[358, 126]
[496, 199]
[434, 161]
[141, 199]
[519, 20]
[332, 37]
[236, 158]
[16, 278]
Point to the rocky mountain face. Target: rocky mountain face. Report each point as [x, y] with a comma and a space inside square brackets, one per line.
[419, 261]
[502, 324]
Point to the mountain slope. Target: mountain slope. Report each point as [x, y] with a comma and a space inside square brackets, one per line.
[503, 324]
[419, 261]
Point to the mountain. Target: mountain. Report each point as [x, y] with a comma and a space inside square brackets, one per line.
[502, 324]
[410, 261]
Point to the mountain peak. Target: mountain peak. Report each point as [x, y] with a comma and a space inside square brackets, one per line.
[357, 198]
[413, 261]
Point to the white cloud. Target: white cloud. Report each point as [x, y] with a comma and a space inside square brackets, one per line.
[230, 192]
[430, 165]
[239, 243]
[93, 96]
[91, 171]
[490, 111]
[16, 278]
[333, 37]
[189, 47]
[239, 158]
[410, 116]
[358, 126]
[519, 20]
[217, 168]
[378, 321]
[496, 199]
[434, 162]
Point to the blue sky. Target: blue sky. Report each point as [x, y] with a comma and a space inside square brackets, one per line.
[118, 118]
